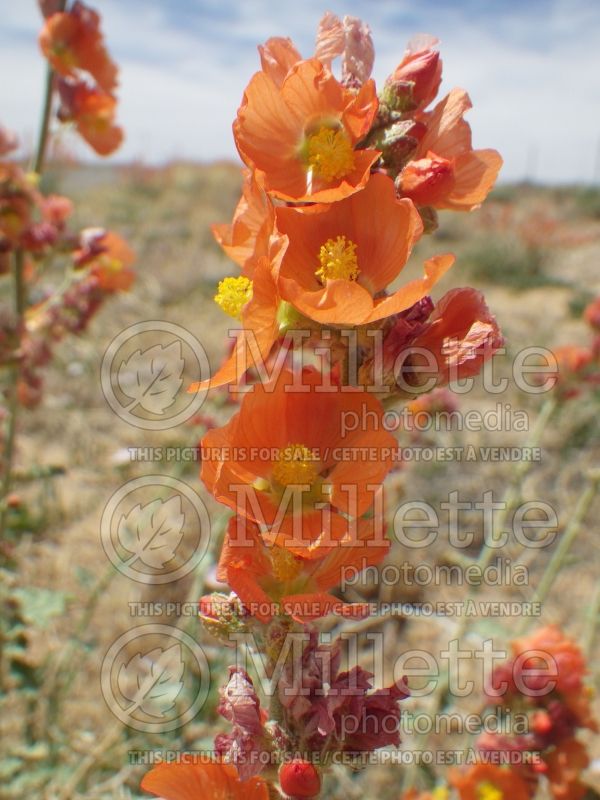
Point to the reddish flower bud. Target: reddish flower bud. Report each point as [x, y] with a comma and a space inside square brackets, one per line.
[422, 69]
[541, 723]
[427, 180]
[299, 778]
[206, 607]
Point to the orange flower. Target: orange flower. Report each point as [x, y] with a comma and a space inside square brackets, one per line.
[440, 792]
[489, 782]
[416, 80]
[249, 232]
[108, 257]
[461, 335]
[565, 764]
[264, 575]
[188, 780]
[349, 38]
[72, 40]
[570, 667]
[255, 301]
[445, 172]
[301, 136]
[341, 256]
[286, 460]
[93, 112]
[277, 57]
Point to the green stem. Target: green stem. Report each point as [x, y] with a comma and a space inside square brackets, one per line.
[566, 540]
[509, 501]
[20, 295]
[37, 165]
[591, 621]
[39, 158]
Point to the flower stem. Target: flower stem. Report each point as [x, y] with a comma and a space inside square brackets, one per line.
[20, 296]
[584, 503]
[39, 158]
[509, 501]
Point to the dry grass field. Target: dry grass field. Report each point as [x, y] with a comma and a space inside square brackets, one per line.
[534, 252]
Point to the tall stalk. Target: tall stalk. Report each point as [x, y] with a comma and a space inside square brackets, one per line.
[20, 303]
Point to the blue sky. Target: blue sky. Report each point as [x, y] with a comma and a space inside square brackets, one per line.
[531, 68]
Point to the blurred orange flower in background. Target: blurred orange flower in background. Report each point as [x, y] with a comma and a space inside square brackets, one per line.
[72, 40]
[92, 110]
[108, 257]
[489, 782]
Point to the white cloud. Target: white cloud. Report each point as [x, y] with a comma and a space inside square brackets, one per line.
[531, 70]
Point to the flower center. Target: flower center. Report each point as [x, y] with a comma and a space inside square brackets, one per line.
[233, 294]
[330, 154]
[295, 466]
[487, 791]
[285, 565]
[338, 260]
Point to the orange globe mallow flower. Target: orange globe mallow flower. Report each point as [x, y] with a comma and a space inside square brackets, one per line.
[342, 256]
[267, 577]
[445, 171]
[188, 780]
[289, 461]
[570, 669]
[93, 113]
[301, 137]
[565, 764]
[489, 782]
[72, 40]
[108, 258]
[248, 235]
[253, 299]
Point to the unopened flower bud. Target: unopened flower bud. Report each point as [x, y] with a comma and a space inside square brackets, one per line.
[421, 70]
[219, 615]
[541, 723]
[397, 143]
[299, 778]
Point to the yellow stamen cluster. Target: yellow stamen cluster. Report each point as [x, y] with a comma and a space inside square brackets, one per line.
[338, 260]
[285, 565]
[487, 791]
[233, 294]
[329, 154]
[296, 466]
[440, 793]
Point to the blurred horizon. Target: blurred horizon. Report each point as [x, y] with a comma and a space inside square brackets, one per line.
[530, 69]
